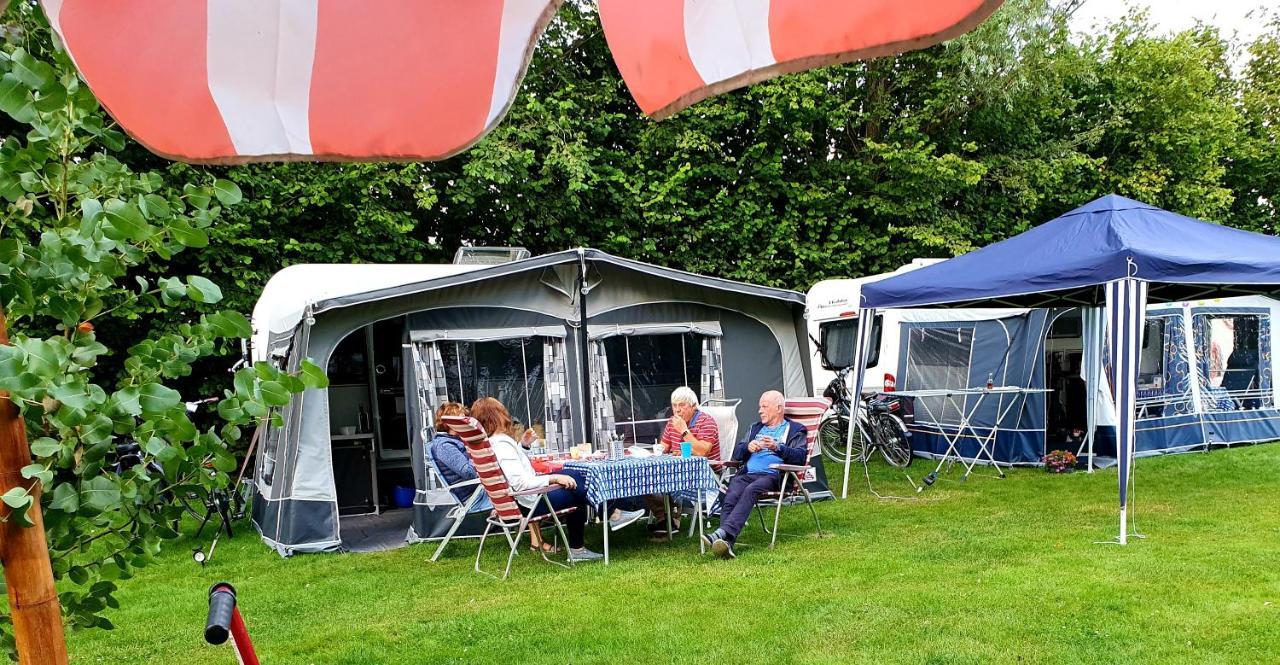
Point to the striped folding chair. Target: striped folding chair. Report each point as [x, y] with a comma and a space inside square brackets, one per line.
[506, 514]
[808, 412]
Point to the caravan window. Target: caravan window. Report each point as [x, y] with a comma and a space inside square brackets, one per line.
[1151, 359]
[643, 370]
[509, 370]
[838, 338]
[938, 358]
[1232, 374]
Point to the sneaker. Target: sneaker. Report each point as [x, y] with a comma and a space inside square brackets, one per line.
[584, 554]
[723, 549]
[625, 518]
[708, 541]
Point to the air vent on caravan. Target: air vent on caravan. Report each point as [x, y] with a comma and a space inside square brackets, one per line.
[488, 256]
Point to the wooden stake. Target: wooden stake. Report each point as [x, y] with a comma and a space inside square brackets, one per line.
[33, 600]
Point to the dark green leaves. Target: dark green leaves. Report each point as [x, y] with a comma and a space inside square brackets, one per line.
[100, 493]
[228, 192]
[228, 323]
[200, 289]
[19, 502]
[156, 399]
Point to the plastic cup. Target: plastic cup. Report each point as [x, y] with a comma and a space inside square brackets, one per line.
[657, 449]
[686, 449]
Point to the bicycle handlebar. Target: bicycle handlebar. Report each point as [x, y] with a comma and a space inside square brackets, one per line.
[222, 604]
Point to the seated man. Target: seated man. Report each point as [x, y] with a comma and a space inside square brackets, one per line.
[773, 440]
[688, 424]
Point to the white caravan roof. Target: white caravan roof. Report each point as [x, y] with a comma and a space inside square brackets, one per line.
[291, 291]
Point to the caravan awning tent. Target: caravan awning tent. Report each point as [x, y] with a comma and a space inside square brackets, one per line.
[1113, 253]
[582, 344]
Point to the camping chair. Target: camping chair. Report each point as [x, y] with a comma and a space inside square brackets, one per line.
[476, 501]
[808, 412]
[725, 413]
[506, 513]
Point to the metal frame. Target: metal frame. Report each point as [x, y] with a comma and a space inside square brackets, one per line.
[521, 527]
[986, 444]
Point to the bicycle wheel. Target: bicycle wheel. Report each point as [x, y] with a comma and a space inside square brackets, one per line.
[894, 446]
[832, 435]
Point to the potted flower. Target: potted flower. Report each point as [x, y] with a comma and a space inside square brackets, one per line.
[1059, 461]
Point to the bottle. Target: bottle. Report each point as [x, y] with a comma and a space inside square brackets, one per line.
[991, 380]
[362, 420]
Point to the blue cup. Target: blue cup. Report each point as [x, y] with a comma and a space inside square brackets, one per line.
[686, 449]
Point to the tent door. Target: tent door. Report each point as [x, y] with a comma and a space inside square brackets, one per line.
[1067, 416]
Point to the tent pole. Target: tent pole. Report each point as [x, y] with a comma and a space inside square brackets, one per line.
[584, 353]
[855, 391]
[1126, 309]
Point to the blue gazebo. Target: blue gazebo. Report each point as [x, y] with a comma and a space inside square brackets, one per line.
[1110, 256]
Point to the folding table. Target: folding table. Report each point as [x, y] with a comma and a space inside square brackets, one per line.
[624, 477]
[959, 399]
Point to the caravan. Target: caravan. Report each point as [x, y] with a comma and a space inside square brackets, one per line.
[1206, 375]
[580, 345]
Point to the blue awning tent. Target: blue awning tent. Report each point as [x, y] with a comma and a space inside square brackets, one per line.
[1111, 256]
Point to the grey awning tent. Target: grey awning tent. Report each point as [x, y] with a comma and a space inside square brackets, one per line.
[1113, 254]
[584, 327]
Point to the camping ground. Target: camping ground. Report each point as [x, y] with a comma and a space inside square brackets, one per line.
[987, 570]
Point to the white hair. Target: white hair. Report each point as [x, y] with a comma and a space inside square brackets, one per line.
[684, 395]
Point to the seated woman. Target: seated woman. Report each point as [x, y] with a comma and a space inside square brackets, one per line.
[572, 491]
[450, 453]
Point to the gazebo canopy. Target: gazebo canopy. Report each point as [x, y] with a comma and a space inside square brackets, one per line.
[1066, 262]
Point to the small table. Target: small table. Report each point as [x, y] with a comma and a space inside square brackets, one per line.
[986, 444]
[624, 477]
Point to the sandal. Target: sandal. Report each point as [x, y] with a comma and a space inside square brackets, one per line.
[547, 548]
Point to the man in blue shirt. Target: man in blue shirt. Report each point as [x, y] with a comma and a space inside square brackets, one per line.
[773, 440]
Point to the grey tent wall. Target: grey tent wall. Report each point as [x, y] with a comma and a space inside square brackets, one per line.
[307, 523]
[753, 358]
[286, 522]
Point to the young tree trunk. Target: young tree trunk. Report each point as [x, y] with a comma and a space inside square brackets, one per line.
[33, 600]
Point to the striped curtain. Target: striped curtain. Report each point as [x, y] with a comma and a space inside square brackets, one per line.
[555, 371]
[712, 369]
[601, 400]
[431, 389]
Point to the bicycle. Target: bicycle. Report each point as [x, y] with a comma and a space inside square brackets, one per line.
[882, 428]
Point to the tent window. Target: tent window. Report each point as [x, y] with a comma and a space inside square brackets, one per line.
[838, 338]
[938, 358]
[643, 370]
[1151, 359]
[1232, 372]
[509, 370]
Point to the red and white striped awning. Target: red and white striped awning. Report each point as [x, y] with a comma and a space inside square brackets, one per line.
[260, 80]
[229, 81]
[673, 53]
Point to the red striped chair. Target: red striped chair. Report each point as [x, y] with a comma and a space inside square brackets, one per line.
[506, 513]
[808, 412]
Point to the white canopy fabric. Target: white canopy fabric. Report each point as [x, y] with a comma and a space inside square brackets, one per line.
[291, 291]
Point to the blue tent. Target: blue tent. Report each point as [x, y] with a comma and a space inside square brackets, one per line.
[1111, 256]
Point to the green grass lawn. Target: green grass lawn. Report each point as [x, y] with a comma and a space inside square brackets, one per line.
[985, 571]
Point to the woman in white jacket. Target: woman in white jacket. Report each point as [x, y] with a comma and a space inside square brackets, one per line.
[496, 421]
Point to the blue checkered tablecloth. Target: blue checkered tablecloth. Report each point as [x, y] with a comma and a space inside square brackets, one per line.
[608, 480]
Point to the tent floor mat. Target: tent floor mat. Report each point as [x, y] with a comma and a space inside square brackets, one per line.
[376, 533]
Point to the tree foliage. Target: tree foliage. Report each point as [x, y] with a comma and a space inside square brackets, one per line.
[84, 239]
[842, 171]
